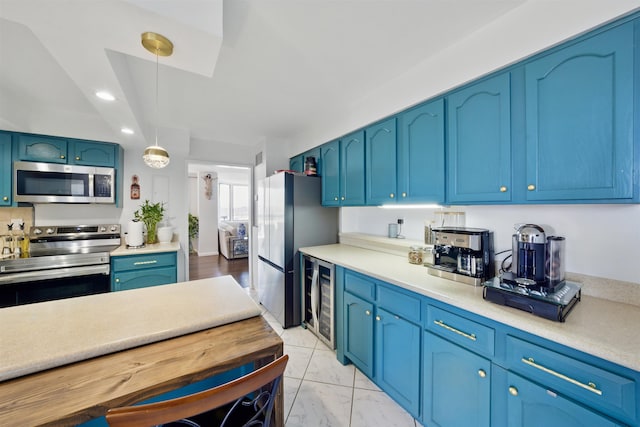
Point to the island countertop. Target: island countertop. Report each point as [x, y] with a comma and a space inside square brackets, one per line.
[35, 337]
[588, 327]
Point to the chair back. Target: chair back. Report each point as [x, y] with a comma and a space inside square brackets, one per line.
[187, 406]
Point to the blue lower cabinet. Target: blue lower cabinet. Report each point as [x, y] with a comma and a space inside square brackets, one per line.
[141, 271]
[397, 359]
[358, 332]
[456, 386]
[519, 402]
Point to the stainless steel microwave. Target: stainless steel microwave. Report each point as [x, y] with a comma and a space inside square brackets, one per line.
[56, 183]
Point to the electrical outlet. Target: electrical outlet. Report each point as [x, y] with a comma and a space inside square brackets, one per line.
[16, 223]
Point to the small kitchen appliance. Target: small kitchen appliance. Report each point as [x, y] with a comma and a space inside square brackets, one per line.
[538, 260]
[463, 254]
[537, 281]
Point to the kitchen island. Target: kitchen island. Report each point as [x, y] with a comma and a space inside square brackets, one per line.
[68, 361]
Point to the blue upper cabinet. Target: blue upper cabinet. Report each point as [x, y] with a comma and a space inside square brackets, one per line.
[421, 153]
[90, 153]
[380, 152]
[579, 120]
[479, 149]
[330, 171]
[297, 163]
[38, 148]
[6, 171]
[352, 167]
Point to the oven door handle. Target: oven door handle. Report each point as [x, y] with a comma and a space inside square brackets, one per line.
[32, 276]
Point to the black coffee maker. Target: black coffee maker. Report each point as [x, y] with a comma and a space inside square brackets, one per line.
[538, 260]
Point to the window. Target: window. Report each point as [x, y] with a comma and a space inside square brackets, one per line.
[233, 203]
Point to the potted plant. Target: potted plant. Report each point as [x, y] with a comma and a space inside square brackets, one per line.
[194, 228]
[151, 214]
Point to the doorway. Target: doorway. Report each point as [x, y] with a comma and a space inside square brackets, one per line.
[220, 204]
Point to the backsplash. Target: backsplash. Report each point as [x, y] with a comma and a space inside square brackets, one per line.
[7, 214]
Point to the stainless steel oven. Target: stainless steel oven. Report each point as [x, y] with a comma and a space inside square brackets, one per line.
[63, 262]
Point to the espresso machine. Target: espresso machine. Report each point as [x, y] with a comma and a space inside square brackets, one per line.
[463, 254]
[537, 260]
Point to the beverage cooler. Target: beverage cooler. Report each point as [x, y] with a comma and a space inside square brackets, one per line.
[318, 300]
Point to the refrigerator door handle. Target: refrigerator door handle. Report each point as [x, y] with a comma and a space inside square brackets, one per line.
[314, 295]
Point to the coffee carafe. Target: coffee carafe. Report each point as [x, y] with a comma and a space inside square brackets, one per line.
[538, 260]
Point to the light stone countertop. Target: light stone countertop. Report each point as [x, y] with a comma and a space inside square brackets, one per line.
[35, 337]
[603, 328]
[172, 246]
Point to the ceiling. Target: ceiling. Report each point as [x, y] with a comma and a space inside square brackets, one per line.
[242, 70]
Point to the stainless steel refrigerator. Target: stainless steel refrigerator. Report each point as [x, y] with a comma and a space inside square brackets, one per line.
[290, 216]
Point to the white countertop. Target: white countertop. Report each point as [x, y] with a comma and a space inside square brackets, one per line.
[123, 250]
[40, 336]
[600, 327]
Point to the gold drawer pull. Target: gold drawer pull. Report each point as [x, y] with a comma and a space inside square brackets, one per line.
[62, 156]
[482, 373]
[5, 199]
[590, 386]
[472, 337]
[531, 187]
[503, 189]
[378, 318]
[404, 194]
[335, 198]
[513, 391]
[392, 195]
[367, 312]
[77, 157]
[153, 261]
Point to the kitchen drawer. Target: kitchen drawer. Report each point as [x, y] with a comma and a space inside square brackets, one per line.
[403, 304]
[137, 262]
[360, 285]
[589, 384]
[142, 279]
[468, 333]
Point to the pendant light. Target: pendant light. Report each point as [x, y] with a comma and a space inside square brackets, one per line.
[155, 156]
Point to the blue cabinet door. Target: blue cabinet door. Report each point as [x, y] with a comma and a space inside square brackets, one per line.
[38, 148]
[330, 172]
[380, 152]
[456, 384]
[6, 169]
[397, 359]
[352, 169]
[526, 404]
[358, 332]
[297, 163]
[143, 278]
[579, 120]
[421, 153]
[90, 153]
[479, 149]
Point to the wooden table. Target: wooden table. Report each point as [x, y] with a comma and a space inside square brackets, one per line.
[75, 393]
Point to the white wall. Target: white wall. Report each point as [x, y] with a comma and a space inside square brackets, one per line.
[208, 214]
[601, 239]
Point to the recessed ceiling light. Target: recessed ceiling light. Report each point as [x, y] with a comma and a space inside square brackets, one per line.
[127, 131]
[102, 94]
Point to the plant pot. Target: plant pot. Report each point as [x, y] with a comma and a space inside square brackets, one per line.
[165, 234]
[152, 233]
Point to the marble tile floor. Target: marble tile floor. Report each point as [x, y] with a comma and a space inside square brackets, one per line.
[320, 391]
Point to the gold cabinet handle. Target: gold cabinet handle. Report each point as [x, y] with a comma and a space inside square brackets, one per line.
[5, 199]
[404, 194]
[482, 373]
[342, 198]
[378, 318]
[589, 386]
[117, 280]
[513, 391]
[367, 312]
[62, 156]
[77, 157]
[503, 189]
[440, 323]
[392, 195]
[335, 198]
[531, 187]
[153, 261]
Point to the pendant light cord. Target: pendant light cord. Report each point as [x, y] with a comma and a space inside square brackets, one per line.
[157, 107]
